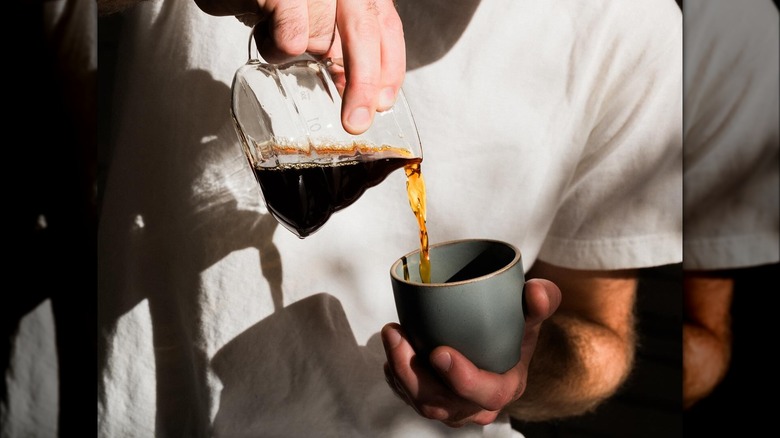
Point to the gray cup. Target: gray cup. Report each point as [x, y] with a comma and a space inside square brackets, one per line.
[474, 302]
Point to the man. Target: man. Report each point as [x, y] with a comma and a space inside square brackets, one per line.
[555, 128]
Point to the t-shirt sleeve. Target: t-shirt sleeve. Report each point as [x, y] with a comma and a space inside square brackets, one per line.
[623, 203]
[731, 183]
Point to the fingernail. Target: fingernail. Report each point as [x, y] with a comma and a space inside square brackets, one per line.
[359, 119]
[392, 338]
[387, 98]
[442, 361]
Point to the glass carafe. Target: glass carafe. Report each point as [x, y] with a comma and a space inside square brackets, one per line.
[288, 120]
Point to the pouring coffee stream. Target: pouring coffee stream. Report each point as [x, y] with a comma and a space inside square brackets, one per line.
[288, 120]
[415, 188]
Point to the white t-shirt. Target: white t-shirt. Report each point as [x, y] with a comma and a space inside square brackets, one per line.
[554, 126]
[732, 187]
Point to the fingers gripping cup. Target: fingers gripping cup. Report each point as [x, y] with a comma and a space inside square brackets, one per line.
[288, 120]
[473, 303]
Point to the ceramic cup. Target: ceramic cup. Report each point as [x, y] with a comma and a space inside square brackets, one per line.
[473, 303]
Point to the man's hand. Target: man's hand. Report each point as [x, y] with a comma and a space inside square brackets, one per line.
[367, 35]
[578, 349]
[451, 388]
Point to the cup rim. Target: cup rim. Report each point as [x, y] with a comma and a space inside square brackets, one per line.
[517, 258]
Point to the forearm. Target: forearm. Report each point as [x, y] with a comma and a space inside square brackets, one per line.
[585, 351]
[577, 365]
[706, 358]
[706, 333]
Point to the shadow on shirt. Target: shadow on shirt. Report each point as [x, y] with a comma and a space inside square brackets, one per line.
[300, 370]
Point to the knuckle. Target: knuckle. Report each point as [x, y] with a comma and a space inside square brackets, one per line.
[365, 27]
[391, 24]
[372, 6]
[467, 385]
[322, 23]
[290, 31]
[500, 398]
